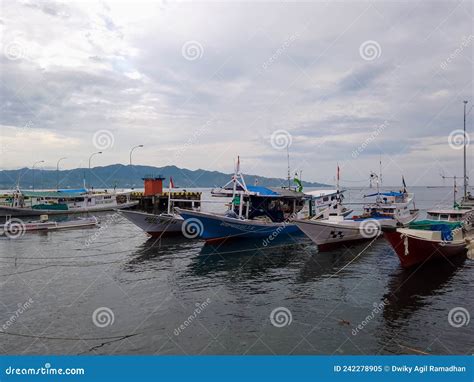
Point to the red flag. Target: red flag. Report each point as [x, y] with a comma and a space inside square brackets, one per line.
[171, 182]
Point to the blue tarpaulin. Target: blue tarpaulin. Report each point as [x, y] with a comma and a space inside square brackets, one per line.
[263, 191]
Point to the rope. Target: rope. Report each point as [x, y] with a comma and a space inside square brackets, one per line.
[69, 338]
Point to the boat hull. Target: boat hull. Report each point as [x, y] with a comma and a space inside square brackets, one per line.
[217, 227]
[413, 250]
[17, 211]
[155, 224]
[328, 235]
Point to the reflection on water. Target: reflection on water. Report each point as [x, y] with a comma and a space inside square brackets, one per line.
[408, 288]
[153, 285]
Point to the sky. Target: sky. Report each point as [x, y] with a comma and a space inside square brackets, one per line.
[198, 83]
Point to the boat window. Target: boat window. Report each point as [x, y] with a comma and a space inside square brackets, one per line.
[444, 216]
[325, 199]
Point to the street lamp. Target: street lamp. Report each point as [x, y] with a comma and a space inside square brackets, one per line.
[33, 169]
[98, 152]
[57, 172]
[131, 151]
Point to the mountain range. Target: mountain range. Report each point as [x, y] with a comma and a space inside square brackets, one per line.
[126, 176]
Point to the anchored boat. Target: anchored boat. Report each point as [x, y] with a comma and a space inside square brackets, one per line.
[388, 210]
[156, 214]
[427, 240]
[62, 202]
[16, 226]
[254, 212]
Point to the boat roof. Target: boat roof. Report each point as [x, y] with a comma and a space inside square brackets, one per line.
[51, 194]
[391, 193]
[319, 193]
[262, 191]
[451, 211]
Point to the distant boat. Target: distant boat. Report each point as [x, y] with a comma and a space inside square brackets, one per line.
[15, 227]
[61, 202]
[426, 241]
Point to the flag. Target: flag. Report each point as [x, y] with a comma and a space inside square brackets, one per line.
[404, 184]
[238, 164]
[171, 182]
[298, 183]
[338, 171]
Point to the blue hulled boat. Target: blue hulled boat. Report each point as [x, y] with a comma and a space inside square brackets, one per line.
[254, 212]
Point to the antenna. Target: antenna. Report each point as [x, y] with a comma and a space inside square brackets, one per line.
[288, 158]
[455, 189]
[380, 169]
[464, 144]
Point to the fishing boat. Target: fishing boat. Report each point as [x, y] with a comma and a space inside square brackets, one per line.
[61, 202]
[389, 209]
[156, 215]
[424, 241]
[254, 212]
[17, 227]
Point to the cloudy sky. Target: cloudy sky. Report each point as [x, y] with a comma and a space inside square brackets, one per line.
[200, 83]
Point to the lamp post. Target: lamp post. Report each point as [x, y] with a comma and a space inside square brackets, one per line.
[33, 169]
[57, 172]
[131, 151]
[98, 152]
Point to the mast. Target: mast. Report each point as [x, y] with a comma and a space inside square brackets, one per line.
[465, 172]
[380, 169]
[288, 158]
